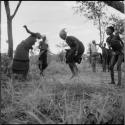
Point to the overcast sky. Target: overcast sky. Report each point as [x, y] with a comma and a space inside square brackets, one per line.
[48, 17]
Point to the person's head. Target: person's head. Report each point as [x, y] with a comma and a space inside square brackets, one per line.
[109, 30]
[94, 42]
[44, 38]
[63, 34]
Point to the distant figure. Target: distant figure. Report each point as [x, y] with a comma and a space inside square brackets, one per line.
[43, 46]
[74, 54]
[117, 46]
[61, 57]
[105, 57]
[20, 63]
[90, 55]
[94, 55]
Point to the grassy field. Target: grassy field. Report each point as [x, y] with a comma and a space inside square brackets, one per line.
[87, 99]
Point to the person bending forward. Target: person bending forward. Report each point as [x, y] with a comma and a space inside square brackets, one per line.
[74, 54]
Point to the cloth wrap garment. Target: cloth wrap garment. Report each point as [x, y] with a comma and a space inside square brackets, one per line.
[21, 58]
[70, 54]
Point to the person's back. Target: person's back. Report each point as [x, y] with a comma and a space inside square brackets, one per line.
[71, 40]
[22, 51]
[76, 46]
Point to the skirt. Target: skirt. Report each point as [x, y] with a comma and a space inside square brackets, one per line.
[72, 58]
[20, 66]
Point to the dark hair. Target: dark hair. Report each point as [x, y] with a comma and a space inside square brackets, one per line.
[111, 27]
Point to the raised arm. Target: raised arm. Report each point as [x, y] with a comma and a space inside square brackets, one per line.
[28, 31]
[37, 35]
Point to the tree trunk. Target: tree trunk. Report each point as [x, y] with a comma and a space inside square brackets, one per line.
[9, 26]
[10, 38]
[0, 29]
[103, 36]
[100, 31]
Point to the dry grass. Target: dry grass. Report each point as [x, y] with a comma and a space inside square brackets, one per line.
[47, 100]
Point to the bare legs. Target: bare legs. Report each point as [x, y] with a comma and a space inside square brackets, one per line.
[73, 69]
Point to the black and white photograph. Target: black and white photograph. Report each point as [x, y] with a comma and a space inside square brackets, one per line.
[62, 62]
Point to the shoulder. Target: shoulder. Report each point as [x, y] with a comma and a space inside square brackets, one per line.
[71, 37]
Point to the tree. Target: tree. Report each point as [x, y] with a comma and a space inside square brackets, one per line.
[120, 26]
[0, 28]
[94, 10]
[118, 5]
[9, 26]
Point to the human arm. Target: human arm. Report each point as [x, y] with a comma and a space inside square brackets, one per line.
[28, 31]
[37, 35]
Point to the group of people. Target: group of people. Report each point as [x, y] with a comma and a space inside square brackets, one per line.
[20, 63]
[111, 55]
[102, 58]
[73, 55]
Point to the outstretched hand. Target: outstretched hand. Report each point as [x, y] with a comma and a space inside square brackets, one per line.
[25, 26]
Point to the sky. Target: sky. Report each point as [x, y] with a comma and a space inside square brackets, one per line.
[48, 17]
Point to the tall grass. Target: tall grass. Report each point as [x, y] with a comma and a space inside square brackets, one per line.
[48, 101]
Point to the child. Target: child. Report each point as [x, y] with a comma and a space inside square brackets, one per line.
[43, 46]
